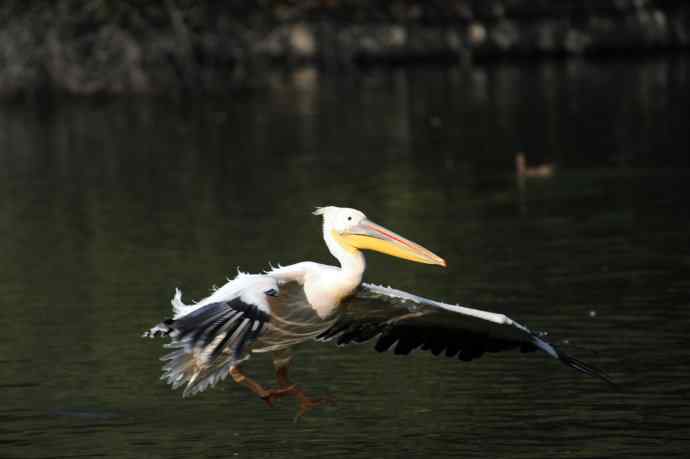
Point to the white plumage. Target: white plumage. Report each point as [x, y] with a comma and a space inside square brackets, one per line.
[274, 311]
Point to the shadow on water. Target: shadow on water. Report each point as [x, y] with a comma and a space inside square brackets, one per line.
[106, 207]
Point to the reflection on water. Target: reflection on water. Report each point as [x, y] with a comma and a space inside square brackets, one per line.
[105, 207]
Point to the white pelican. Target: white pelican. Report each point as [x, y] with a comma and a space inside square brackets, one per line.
[274, 311]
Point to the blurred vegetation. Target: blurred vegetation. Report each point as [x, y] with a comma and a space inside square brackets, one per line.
[105, 46]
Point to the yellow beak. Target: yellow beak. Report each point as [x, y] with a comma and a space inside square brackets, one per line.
[368, 235]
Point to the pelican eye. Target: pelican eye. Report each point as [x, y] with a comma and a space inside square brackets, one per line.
[349, 218]
[271, 292]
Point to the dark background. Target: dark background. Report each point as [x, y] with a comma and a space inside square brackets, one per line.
[114, 193]
[182, 46]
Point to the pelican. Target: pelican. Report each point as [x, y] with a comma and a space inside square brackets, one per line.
[285, 306]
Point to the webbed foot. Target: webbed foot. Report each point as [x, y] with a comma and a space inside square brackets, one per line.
[306, 404]
[273, 394]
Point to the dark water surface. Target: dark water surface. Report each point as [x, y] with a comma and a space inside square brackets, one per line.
[106, 207]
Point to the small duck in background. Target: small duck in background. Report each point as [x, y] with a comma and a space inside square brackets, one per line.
[523, 170]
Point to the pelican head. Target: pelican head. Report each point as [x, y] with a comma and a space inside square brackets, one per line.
[353, 231]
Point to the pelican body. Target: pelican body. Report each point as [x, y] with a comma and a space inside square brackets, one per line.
[275, 311]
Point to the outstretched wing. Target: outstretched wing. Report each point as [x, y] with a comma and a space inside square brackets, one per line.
[404, 322]
[208, 341]
[215, 334]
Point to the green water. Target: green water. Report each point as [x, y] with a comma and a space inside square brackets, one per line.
[106, 207]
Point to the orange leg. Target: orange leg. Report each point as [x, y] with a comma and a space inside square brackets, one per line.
[267, 395]
[305, 403]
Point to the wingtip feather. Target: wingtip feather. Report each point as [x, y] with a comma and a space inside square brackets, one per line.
[587, 369]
